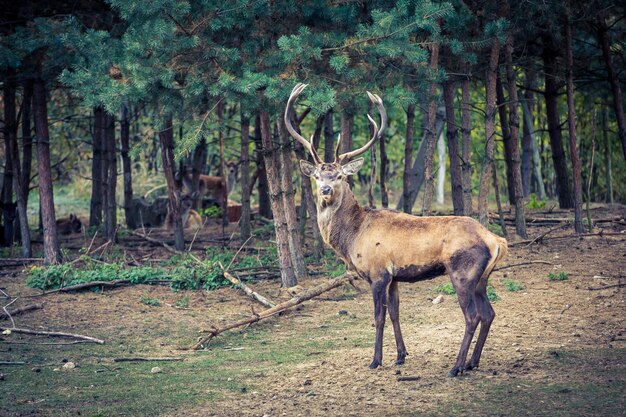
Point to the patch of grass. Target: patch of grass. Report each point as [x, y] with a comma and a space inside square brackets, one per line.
[446, 288]
[491, 294]
[513, 286]
[182, 302]
[149, 301]
[561, 276]
[534, 202]
[495, 228]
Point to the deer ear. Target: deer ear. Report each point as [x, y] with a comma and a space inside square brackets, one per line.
[353, 167]
[307, 168]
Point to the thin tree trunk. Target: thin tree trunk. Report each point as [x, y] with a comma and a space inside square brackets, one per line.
[10, 126]
[197, 163]
[110, 176]
[441, 169]
[372, 185]
[408, 157]
[244, 221]
[220, 134]
[607, 157]
[466, 145]
[270, 158]
[329, 136]
[506, 139]
[27, 140]
[51, 248]
[126, 166]
[10, 135]
[430, 136]
[527, 135]
[496, 190]
[384, 196]
[535, 150]
[490, 132]
[554, 129]
[289, 206]
[452, 134]
[571, 124]
[512, 146]
[615, 84]
[166, 138]
[265, 207]
[347, 123]
[95, 211]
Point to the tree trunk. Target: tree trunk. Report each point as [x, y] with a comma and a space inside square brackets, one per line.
[220, 135]
[197, 164]
[506, 139]
[430, 135]
[408, 157]
[554, 129]
[441, 169]
[384, 196]
[51, 249]
[372, 180]
[110, 178]
[452, 134]
[166, 138]
[10, 126]
[615, 83]
[270, 158]
[466, 145]
[535, 150]
[491, 77]
[27, 140]
[329, 137]
[265, 207]
[512, 145]
[95, 210]
[127, 167]
[571, 124]
[347, 124]
[244, 221]
[527, 132]
[607, 157]
[289, 205]
[10, 135]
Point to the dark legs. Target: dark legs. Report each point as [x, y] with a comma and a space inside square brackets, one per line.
[379, 291]
[468, 305]
[394, 314]
[486, 318]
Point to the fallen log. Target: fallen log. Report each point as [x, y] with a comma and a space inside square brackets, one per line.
[84, 286]
[20, 310]
[297, 299]
[57, 334]
[141, 359]
[255, 295]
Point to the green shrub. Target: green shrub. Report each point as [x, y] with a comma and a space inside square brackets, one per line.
[446, 288]
[561, 276]
[149, 301]
[491, 294]
[534, 202]
[512, 286]
[182, 302]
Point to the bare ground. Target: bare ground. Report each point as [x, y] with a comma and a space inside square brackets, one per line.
[555, 348]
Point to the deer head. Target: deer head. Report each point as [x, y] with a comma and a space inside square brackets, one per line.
[330, 177]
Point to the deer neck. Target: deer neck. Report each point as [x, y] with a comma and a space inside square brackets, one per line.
[340, 221]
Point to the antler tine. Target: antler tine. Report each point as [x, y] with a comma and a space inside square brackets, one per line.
[337, 147]
[288, 115]
[375, 99]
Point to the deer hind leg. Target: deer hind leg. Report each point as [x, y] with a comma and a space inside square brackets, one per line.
[379, 292]
[466, 269]
[487, 314]
[394, 314]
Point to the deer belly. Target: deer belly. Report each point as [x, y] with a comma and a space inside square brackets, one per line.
[414, 273]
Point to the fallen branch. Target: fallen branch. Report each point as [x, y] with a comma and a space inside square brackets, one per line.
[298, 299]
[85, 285]
[574, 236]
[158, 242]
[408, 378]
[140, 359]
[58, 334]
[20, 310]
[607, 287]
[12, 363]
[523, 263]
[255, 295]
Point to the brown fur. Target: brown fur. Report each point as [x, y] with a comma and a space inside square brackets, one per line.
[385, 247]
[191, 218]
[208, 186]
[69, 225]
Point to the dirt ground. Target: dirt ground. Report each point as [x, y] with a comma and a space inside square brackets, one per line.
[555, 348]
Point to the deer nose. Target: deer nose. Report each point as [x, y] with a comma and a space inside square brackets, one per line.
[325, 189]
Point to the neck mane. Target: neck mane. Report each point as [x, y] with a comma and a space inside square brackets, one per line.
[340, 221]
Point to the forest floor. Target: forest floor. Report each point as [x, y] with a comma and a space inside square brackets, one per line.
[556, 348]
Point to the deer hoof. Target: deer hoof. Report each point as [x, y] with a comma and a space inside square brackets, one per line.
[453, 372]
[400, 359]
[375, 364]
[469, 367]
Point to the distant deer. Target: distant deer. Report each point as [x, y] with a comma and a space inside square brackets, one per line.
[208, 185]
[69, 225]
[191, 218]
[386, 247]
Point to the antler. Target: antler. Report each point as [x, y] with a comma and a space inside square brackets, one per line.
[288, 116]
[375, 99]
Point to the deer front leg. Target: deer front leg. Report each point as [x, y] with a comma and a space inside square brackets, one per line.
[394, 314]
[379, 292]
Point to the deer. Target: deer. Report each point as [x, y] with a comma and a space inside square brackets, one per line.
[208, 185]
[69, 225]
[386, 247]
[191, 218]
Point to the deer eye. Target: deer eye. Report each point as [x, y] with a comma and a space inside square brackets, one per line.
[339, 176]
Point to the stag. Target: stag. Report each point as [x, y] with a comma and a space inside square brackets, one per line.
[386, 247]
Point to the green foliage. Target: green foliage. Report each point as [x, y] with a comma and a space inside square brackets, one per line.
[491, 294]
[512, 286]
[182, 302]
[213, 212]
[495, 228]
[561, 276]
[446, 288]
[534, 202]
[149, 301]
